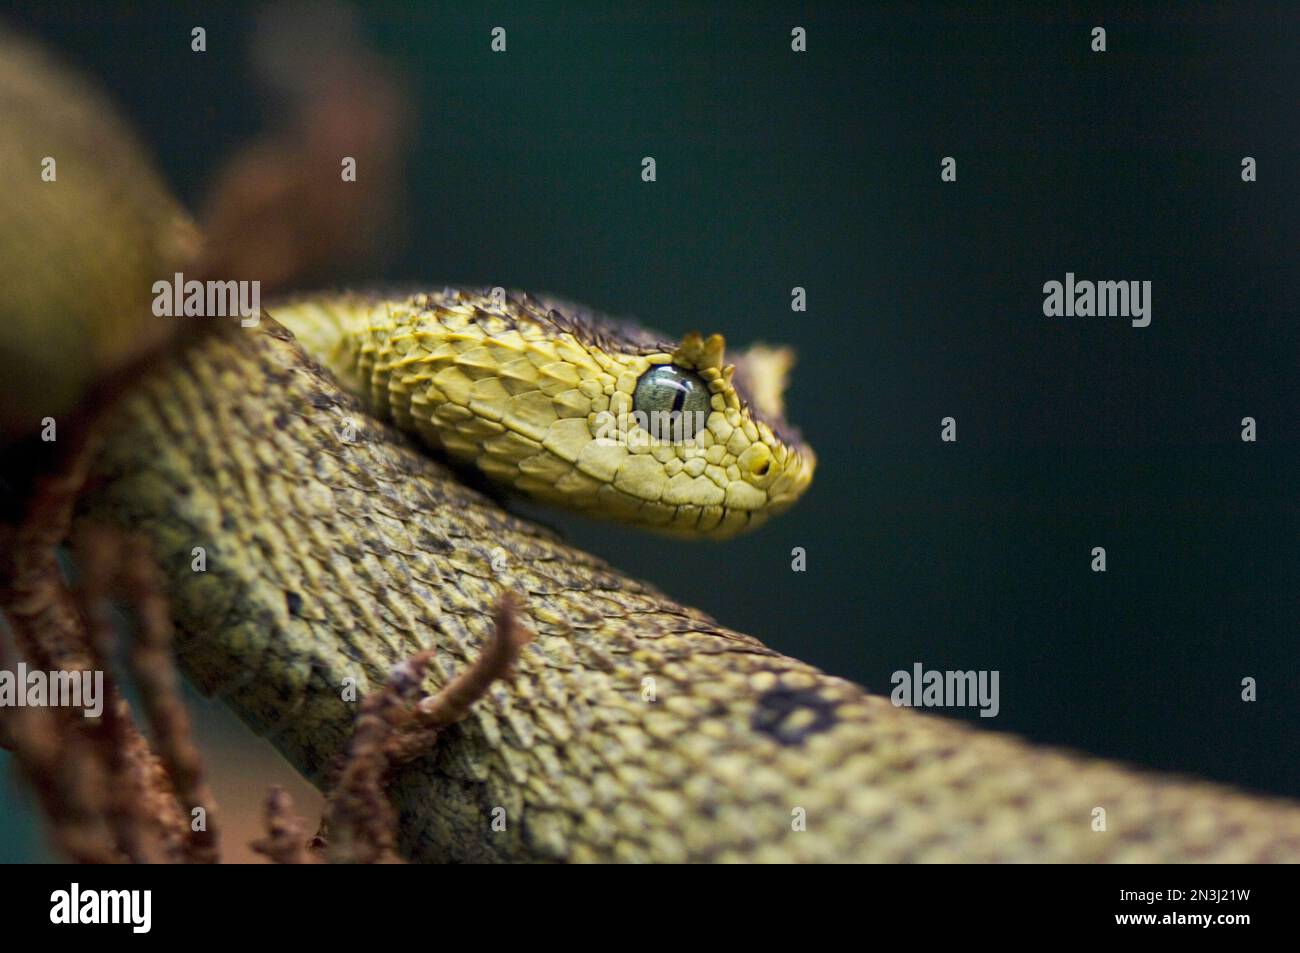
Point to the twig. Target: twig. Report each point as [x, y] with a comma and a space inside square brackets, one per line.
[286, 840]
[358, 816]
[155, 674]
[359, 821]
[453, 703]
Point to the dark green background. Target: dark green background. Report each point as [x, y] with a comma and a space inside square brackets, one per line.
[821, 169]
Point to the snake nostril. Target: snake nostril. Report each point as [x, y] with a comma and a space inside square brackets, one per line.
[762, 468]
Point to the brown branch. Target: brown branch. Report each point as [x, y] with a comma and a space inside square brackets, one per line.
[125, 755]
[58, 763]
[62, 755]
[46, 625]
[154, 669]
[105, 794]
[280, 211]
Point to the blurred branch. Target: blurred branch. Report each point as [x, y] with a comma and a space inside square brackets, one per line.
[106, 795]
[281, 211]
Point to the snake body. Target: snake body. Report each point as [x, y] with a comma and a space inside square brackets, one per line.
[333, 547]
[330, 560]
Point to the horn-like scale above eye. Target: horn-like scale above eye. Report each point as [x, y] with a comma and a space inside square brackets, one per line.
[667, 388]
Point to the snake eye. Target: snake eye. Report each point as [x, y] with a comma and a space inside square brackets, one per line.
[667, 388]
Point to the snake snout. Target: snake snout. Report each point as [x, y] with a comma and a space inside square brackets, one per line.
[794, 478]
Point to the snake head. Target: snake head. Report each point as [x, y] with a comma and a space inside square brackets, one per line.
[689, 444]
[759, 461]
[570, 407]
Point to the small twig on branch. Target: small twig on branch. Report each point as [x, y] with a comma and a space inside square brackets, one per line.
[286, 840]
[359, 820]
[358, 816]
[436, 712]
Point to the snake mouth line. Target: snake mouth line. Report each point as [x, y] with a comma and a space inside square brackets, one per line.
[615, 499]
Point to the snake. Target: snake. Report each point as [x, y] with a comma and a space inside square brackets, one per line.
[336, 465]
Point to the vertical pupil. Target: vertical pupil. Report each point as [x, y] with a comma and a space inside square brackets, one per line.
[679, 398]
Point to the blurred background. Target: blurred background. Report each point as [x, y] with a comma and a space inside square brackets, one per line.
[821, 169]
